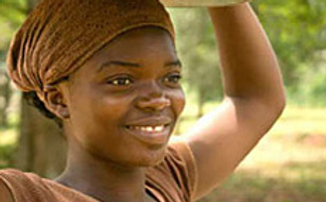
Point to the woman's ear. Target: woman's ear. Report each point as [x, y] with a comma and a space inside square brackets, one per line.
[55, 102]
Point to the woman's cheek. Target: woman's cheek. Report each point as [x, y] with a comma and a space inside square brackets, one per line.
[178, 100]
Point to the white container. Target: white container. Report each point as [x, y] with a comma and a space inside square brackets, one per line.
[200, 3]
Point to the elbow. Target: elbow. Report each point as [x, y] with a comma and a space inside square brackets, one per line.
[280, 106]
[277, 104]
[273, 104]
[281, 102]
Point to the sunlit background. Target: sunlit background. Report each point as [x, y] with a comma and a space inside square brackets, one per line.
[288, 165]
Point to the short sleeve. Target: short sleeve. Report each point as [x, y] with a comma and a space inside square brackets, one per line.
[23, 187]
[28, 187]
[176, 177]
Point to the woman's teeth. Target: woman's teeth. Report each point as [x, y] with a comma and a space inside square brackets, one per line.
[148, 128]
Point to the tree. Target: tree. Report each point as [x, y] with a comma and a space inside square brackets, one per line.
[5, 94]
[41, 147]
[197, 47]
[297, 30]
[8, 10]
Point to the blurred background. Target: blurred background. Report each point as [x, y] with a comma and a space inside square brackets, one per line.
[288, 165]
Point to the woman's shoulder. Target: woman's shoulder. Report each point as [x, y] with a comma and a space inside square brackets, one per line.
[17, 174]
[5, 194]
[24, 186]
[16, 178]
[13, 178]
[21, 186]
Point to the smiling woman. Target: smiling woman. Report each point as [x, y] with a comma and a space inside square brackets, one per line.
[132, 102]
[108, 72]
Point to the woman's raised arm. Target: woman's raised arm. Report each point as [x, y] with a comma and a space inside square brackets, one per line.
[254, 96]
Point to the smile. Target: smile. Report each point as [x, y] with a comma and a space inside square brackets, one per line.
[150, 134]
[150, 129]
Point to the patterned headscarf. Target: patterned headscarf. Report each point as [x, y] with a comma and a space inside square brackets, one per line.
[59, 36]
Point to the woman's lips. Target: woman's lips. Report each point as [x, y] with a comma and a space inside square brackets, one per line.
[150, 121]
[150, 134]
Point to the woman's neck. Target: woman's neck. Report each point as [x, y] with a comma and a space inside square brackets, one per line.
[103, 180]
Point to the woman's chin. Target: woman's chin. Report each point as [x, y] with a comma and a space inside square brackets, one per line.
[148, 159]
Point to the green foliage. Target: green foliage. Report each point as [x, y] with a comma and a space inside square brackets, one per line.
[197, 48]
[6, 152]
[297, 31]
[13, 12]
[12, 15]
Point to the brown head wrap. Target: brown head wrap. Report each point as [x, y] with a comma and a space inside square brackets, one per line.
[60, 35]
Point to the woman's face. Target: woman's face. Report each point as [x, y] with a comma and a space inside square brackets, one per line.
[125, 101]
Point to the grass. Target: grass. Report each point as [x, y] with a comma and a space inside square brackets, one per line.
[301, 121]
[295, 181]
[294, 120]
[288, 165]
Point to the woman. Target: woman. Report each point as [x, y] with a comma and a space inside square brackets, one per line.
[107, 70]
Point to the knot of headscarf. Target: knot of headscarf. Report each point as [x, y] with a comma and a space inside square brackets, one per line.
[60, 35]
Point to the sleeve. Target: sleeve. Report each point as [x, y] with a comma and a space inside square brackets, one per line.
[23, 187]
[182, 153]
[177, 174]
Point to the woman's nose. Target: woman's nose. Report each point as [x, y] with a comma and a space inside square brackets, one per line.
[154, 99]
[154, 103]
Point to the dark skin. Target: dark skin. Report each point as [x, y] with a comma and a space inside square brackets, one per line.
[138, 83]
[108, 163]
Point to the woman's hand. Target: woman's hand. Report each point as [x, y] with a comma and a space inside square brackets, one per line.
[254, 97]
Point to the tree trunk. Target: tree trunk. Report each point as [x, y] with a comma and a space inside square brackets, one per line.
[201, 104]
[7, 92]
[41, 147]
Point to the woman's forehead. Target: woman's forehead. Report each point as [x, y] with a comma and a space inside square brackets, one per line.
[147, 46]
[137, 44]
[142, 35]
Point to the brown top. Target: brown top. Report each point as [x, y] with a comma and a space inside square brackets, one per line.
[173, 180]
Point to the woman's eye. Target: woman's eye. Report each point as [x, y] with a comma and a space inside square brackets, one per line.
[123, 81]
[173, 78]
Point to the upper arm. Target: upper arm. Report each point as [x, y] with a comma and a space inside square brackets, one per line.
[221, 139]
[5, 194]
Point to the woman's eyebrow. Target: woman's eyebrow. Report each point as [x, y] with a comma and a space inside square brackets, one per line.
[117, 63]
[176, 63]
